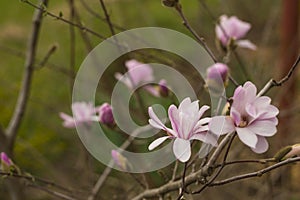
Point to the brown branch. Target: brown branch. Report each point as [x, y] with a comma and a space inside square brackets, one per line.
[84, 28]
[255, 174]
[53, 193]
[24, 93]
[272, 83]
[107, 18]
[36, 179]
[72, 44]
[192, 178]
[47, 56]
[189, 27]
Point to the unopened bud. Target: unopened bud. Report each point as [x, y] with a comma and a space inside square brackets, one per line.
[119, 160]
[163, 89]
[105, 114]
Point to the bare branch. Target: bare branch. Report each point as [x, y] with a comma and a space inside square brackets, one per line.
[272, 83]
[44, 11]
[24, 93]
[53, 193]
[257, 173]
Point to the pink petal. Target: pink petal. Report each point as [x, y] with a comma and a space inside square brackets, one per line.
[202, 121]
[261, 146]
[236, 28]
[220, 125]
[246, 44]
[68, 120]
[157, 142]
[247, 136]
[250, 91]
[184, 104]
[152, 90]
[182, 149]
[206, 138]
[154, 120]
[174, 118]
[263, 128]
[124, 79]
[202, 110]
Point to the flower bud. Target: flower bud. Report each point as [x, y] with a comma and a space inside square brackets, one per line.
[105, 114]
[217, 71]
[5, 159]
[163, 89]
[119, 160]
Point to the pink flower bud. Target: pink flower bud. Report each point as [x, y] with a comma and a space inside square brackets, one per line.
[105, 114]
[5, 159]
[163, 89]
[119, 159]
[218, 71]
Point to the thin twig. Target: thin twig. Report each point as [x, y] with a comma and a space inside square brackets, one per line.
[183, 190]
[199, 39]
[255, 174]
[175, 170]
[53, 193]
[84, 28]
[24, 93]
[107, 18]
[47, 56]
[72, 45]
[272, 83]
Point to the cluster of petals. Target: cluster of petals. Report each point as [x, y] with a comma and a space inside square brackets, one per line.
[186, 126]
[231, 28]
[86, 113]
[141, 74]
[252, 117]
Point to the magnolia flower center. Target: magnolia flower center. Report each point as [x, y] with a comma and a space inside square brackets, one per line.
[243, 123]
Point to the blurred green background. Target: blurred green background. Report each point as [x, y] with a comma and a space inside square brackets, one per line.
[46, 149]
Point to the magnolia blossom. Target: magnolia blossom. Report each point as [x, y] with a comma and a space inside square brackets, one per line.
[105, 114]
[252, 117]
[139, 74]
[82, 113]
[186, 126]
[233, 28]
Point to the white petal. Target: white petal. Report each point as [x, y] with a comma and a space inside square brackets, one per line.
[205, 120]
[261, 146]
[154, 120]
[182, 149]
[247, 136]
[220, 125]
[206, 138]
[246, 44]
[157, 142]
[174, 117]
[203, 109]
[263, 128]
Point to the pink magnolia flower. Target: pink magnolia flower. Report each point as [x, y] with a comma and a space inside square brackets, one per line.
[82, 113]
[233, 28]
[138, 74]
[252, 117]
[105, 114]
[186, 126]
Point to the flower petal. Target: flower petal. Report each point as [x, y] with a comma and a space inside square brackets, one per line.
[182, 149]
[220, 125]
[246, 44]
[263, 128]
[157, 142]
[261, 146]
[247, 136]
[174, 118]
[206, 138]
[154, 120]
